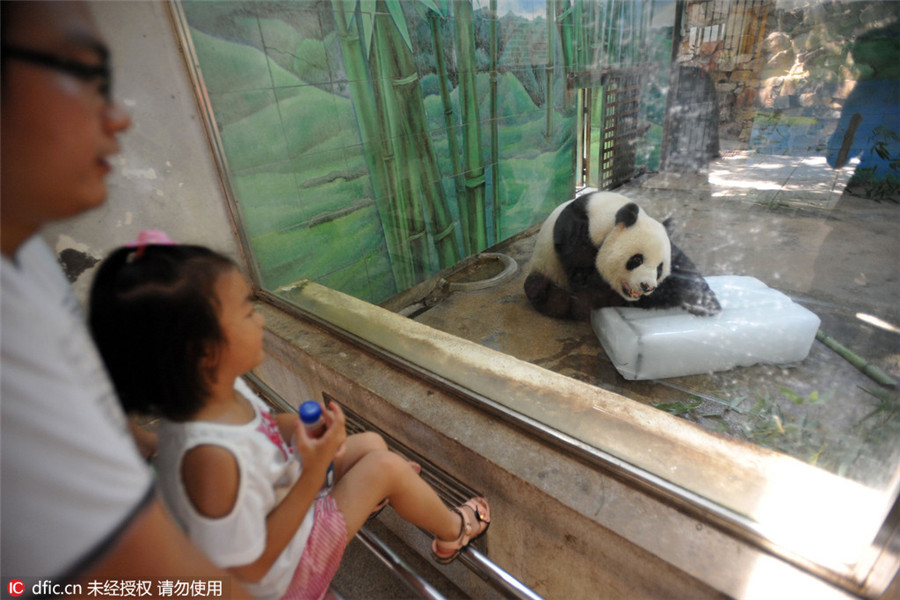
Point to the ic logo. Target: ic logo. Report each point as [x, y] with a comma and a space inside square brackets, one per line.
[15, 587]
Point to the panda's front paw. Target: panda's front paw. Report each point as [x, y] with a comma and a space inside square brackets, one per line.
[705, 304]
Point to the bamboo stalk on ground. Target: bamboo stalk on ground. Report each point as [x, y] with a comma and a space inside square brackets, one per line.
[857, 361]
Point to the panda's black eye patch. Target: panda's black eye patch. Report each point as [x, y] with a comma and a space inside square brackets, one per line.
[634, 262]
[659, 271]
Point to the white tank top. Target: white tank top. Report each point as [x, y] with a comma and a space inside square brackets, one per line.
[267, 471]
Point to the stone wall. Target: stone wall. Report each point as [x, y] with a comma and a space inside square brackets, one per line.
[786, 57]
[727, 39]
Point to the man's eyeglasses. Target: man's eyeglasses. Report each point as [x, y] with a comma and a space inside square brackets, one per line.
[84, 72]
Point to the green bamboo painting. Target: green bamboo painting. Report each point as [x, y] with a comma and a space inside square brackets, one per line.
[495, 131]
[409, 124]
[472, 206]
[398, 149]
[373, 143]
[548, 70]
[434, 24]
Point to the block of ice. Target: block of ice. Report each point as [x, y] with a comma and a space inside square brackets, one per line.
[757, 325]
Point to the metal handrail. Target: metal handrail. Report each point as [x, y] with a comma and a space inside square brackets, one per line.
[471, 558]
[397, 565]
[499, 579]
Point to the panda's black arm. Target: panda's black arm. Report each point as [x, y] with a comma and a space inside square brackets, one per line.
[683, 265]
[685, 287]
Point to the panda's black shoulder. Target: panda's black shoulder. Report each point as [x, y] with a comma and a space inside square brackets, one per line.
[571, 232]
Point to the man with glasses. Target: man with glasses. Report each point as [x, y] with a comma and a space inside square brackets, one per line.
[78, 501]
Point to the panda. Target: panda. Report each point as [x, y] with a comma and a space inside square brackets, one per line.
[602, 249]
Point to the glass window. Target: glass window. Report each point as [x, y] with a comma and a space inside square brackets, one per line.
[406, 153]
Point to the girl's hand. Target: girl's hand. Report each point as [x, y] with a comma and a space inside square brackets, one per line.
[315, 455]
[335, 419]
[318, 453]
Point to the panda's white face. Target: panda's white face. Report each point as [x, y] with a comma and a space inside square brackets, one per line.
[634, 259]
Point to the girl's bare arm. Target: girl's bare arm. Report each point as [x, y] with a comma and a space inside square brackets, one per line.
[211, 478]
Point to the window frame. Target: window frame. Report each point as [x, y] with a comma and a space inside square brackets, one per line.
[402, 342]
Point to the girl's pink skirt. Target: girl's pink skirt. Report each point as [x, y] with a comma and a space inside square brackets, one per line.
[322, 555]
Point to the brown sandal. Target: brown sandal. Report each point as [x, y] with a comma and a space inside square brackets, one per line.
[446, 551]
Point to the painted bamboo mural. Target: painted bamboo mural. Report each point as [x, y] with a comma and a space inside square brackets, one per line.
[434, 22]
[601, 34]
[358, 127]
[406, 214]
[413, 131]
[495, 127]
[353, 50]
[401, 159]
[564, 23]
[578, 52]
[472, 208]
[550, 11]
[418, 190]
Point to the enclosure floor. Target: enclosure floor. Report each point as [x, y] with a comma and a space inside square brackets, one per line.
[786, 222]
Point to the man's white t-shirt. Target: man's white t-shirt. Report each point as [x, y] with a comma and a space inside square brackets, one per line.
[71, 477]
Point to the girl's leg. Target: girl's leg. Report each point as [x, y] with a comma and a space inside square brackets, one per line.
[383, 474]
[358, 445]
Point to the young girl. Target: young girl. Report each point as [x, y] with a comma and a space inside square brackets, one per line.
[177, 328]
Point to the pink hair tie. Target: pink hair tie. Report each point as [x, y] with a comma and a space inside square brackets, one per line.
[149, 237]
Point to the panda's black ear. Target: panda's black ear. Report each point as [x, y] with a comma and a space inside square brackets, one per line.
[669, 225]
[628, 214]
